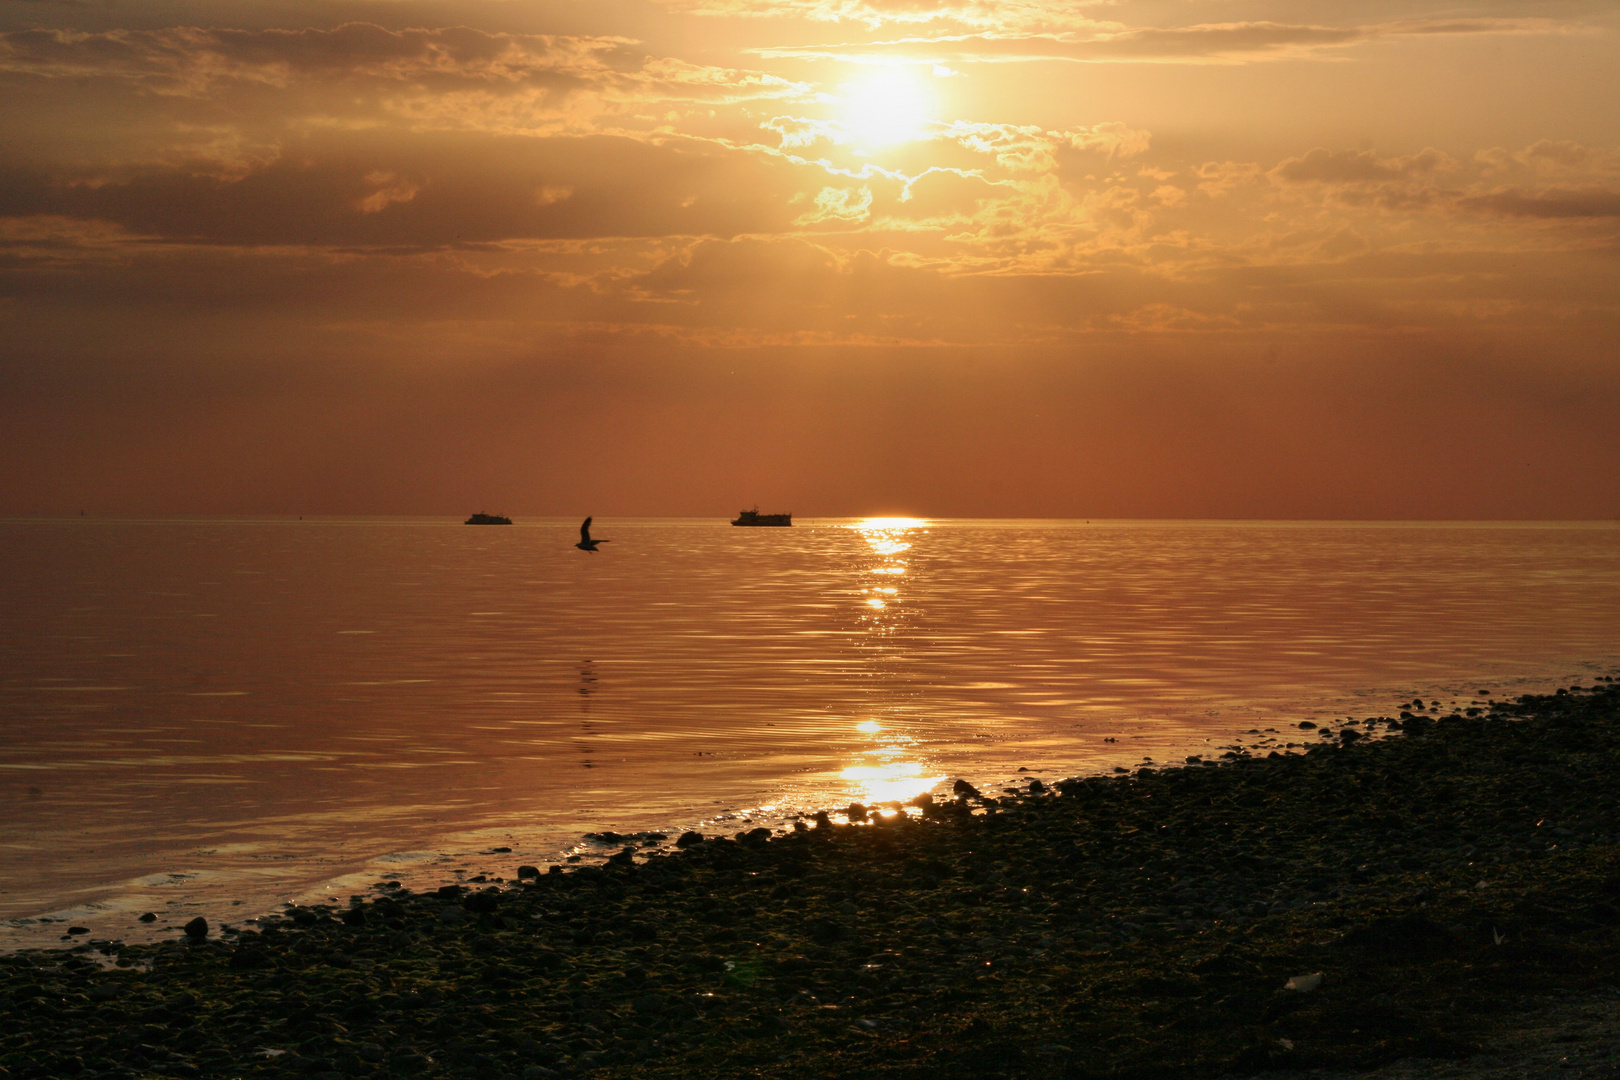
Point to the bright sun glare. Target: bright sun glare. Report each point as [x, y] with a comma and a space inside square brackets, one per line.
[886, 106]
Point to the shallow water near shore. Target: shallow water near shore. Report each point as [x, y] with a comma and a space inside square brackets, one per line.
[213, 716]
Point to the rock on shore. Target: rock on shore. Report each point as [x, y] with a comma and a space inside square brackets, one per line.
[1141, 926]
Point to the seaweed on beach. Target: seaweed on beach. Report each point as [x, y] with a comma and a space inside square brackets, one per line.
[1439, 879]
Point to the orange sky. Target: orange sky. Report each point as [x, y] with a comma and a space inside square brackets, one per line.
[1183, 258]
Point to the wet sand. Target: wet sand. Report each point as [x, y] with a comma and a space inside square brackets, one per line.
[1453, 882]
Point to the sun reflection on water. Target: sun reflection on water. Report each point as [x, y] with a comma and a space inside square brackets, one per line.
[891, 781]
[889, 770]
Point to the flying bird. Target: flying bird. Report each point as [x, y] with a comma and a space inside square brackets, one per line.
[585, 541]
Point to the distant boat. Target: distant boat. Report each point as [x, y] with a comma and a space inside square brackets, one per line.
[488, 519]
[754, 517]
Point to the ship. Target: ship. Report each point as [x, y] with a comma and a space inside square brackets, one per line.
[488, 519]
[754, 517]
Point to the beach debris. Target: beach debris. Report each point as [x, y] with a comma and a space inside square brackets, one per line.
[1498, 937]
[1304, 984]
[1286, 1044]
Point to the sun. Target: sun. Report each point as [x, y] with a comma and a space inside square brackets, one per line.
[888, 105]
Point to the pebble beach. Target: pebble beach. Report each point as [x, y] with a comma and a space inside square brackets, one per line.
[1412, 888]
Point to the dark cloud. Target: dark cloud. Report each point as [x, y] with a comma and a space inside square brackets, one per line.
[1201, 42]
[1356, 166]
[435, 189]
[1549, 203]
[413, 64]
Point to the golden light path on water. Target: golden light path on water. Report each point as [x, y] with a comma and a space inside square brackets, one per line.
[890, 769]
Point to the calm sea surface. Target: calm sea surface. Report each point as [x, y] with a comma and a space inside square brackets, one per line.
[213, 716]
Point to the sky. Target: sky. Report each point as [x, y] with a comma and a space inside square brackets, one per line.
[1031, 258]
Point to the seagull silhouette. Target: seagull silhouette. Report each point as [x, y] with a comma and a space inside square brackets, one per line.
[585, 541]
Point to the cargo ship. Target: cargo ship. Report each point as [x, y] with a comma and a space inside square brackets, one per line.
[754, 517]
[488, 519]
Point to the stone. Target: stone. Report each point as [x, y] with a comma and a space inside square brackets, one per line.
[197, 928]
[965, 789]
[524, 872]
[148, 918]
[856, 812]
[688, 839]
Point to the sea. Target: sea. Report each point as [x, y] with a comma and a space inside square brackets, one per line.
[218, 717]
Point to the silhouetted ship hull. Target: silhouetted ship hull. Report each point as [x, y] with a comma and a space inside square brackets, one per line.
[754, 517]
[488, 519]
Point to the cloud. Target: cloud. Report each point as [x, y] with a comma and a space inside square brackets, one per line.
[412, 64]
[1233, 42]
[1550, 203]
[1434, 181]
[1356, 166]
[837, 205]
[530, 177]
[874, 13]
[435, 190]
[798, 132]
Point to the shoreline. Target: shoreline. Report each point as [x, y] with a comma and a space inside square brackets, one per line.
[107, 910]
[1439, 879]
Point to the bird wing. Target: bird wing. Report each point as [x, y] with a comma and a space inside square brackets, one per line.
[585, 531]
